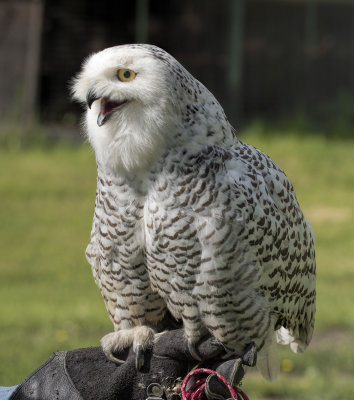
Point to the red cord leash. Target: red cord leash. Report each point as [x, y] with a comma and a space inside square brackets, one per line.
[196, 391]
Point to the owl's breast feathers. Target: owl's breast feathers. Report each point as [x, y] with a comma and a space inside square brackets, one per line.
[116, 253]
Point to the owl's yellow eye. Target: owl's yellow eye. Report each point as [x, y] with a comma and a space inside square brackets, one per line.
[125, 75]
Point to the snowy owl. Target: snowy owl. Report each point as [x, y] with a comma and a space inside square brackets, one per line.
[188, 219]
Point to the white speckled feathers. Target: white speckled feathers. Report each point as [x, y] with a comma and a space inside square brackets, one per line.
[187, 217]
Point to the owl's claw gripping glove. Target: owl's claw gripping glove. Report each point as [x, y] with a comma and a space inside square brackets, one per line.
[87, 374]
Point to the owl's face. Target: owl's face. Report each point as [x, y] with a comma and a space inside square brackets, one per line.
[129, 104]
[121, 81]
[139, 102]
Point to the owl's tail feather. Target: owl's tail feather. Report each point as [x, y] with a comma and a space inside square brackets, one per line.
[268, 362]
[285, 337]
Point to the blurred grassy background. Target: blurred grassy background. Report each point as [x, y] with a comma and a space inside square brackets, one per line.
[48, 298]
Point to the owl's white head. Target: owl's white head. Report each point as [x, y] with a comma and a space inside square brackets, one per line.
[140, 102]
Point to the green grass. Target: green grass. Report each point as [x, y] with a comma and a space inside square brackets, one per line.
[49, 301]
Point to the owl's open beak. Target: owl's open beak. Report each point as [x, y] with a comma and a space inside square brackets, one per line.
[108, 107]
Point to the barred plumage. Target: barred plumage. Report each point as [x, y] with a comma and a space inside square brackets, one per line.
[188, 218]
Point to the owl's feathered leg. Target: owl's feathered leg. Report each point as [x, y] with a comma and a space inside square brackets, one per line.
[141, 337]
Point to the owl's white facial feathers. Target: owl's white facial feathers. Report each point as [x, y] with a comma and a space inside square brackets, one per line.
[155, 115]
[133, 135]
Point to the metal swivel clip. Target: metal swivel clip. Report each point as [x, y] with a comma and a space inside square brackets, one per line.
[154, 392]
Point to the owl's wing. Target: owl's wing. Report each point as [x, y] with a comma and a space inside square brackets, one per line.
[285, 248]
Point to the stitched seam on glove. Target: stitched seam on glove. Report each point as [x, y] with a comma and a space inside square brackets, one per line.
[69, 378]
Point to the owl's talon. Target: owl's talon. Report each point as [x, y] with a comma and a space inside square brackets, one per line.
[249, 357]
[111, 357]
[193, 351]
[139, 357]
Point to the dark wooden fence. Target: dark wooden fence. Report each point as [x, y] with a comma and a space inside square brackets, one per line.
[20, 37]
[260, 57]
